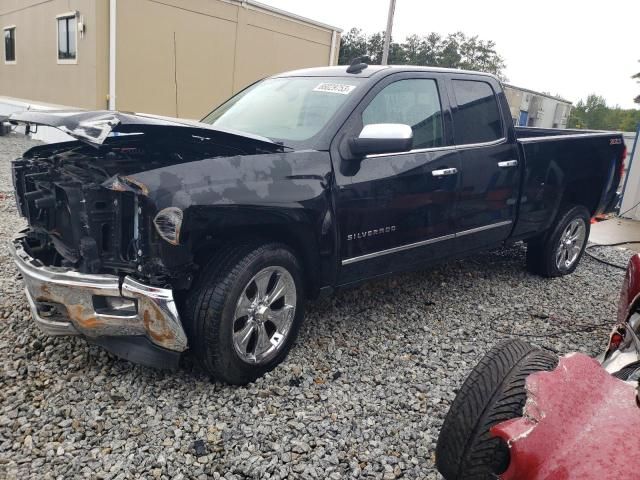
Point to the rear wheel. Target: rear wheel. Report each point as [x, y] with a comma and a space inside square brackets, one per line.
[493, 392]
[244, 314]
[559, 251]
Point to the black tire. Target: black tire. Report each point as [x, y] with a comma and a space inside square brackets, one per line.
[210, 306]
[493, 392]
[541, 252]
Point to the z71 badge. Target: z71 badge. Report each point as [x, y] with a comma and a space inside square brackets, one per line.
[371, 233]
[615, 141]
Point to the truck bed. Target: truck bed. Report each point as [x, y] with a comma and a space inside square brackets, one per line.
[534, 132]
[562, 165]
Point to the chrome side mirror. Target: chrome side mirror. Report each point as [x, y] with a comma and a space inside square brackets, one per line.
[382, 138]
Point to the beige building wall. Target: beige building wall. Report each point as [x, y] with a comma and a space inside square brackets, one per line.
[268, 44]
[36, 74]
[184, 57]
[173, 57]
[543, 110]
[514, 99]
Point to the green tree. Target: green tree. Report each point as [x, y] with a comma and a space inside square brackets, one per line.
[353, 44]
[375, 44]
[397, 54]
[596, 110]
[630, 119]
[449, 54]
[412, 48]
[637, 78]
[423, 50]
[578, 116]
[454, 51]
[596, 115]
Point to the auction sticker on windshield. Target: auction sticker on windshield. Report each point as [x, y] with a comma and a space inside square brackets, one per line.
[340, 88]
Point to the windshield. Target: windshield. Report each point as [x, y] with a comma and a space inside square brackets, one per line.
[286, 109]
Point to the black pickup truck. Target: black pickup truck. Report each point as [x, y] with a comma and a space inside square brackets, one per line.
[149, 235]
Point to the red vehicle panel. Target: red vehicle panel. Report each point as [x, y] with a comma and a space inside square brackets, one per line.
[630, 292]
[579, 422]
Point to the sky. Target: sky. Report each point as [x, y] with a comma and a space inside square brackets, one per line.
[569, 48]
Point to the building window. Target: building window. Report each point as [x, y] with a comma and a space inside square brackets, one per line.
[10, 44]
[67, 38]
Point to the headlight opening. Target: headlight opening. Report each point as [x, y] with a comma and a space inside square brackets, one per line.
[168, 223]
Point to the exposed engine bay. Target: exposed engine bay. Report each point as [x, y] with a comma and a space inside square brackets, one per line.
[85, 213]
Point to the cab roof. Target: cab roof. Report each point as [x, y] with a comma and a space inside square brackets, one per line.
[371, 70]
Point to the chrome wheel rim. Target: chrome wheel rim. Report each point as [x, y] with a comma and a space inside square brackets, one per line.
[264, 314]
[571, 243]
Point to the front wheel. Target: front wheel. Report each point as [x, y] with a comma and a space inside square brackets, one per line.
[559, 252]
[244, 314]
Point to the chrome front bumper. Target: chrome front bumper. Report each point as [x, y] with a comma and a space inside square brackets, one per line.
[65, 302]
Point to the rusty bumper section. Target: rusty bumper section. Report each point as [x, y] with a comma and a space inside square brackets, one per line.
[99, 307]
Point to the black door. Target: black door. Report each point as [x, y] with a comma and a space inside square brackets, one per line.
[489, 170]
[396, 210]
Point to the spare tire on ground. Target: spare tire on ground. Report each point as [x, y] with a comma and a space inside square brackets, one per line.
[493, 392]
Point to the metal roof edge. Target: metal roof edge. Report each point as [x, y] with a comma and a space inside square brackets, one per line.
[287, 14]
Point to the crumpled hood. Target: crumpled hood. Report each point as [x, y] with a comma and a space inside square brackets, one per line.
[94, 127]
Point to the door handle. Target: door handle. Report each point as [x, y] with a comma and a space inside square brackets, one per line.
[508, 164]
[444, 172]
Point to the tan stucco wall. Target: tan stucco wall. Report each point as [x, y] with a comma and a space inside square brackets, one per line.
[36, 75]
[184, 57]
[174, 57]
[514, 99]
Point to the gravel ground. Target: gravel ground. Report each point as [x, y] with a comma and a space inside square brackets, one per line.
[363, 394]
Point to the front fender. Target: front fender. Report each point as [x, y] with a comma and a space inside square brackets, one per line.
[283, 196]
[291, 178]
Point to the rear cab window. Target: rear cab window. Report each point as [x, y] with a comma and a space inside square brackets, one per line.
[477, 118]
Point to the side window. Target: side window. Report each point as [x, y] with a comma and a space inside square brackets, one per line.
[477, 118]
[67, 38]
[10, 44]
[413, 102]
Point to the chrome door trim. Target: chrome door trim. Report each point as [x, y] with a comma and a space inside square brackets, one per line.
[555, 138]
[441, 149]
[401, 248]
[409, 246]
[492, 143]
[483, 228]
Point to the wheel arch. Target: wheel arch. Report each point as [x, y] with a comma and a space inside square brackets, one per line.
[299, 237]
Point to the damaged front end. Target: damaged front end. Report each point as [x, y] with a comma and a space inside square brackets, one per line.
[98, 258]
[120, 313]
